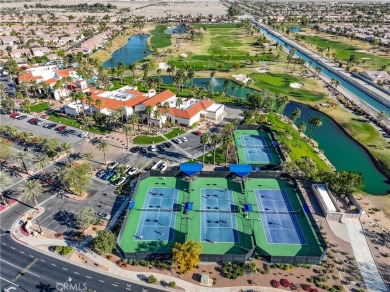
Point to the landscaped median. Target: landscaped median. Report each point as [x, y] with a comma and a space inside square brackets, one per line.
[144, 140]
[75, 123]
[174, 133]
[39, 107]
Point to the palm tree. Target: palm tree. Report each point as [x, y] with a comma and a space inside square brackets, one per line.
[22, 155]
[215, 140]
[157, 116]
[89, 158]
[89, 101]
[204, 140]
[103, 146]
[281, 102]
[314, 123]
[68, 149]
[179, 102]
[227, 141]
[166, 107]
[41, 160]
[148, 112]
[5, 180]
[301, 129]
[134, 119]
[226, 86]
[127, 130]
[296, 113]
[132, 68]
[99, 103]
[31, 190]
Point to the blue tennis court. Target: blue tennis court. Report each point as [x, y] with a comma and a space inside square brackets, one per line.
[157, 219]
[255, 149]
[218, 222]
[279, 227]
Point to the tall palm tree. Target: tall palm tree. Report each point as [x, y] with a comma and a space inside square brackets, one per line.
[215, 140]
[148, 112]
[301, 129]
[127, 130]
[31, 190]
[134, 118]
[5, 180]
[68, 149]
[89, 158]
[22, 155]
[227, 141]
[132, 68]
[281, 102]
[41, 160]
[226, 86]
[103, 146]
[296, 113]
[204, 140]
[166, 107]
[157, 116]
[179, 102]
[314, 122]
[99, 103]
[89, 101]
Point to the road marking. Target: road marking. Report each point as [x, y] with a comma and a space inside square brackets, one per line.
[12, 247]
[22, 251]
[31, 256]
[3, 243]
[21, 273]
[77, 273]
[114, 285]
[88, 277]
[101, 281]
[9, 282]
[65, 269]
[53, 265]
[42, 261]
[20, 267]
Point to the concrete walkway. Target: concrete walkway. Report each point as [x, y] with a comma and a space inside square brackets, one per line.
[363, 256]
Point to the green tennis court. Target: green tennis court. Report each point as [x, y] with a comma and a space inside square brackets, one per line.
[256, 147]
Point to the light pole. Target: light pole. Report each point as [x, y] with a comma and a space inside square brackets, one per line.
[40, 229]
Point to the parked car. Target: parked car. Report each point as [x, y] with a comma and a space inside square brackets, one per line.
[153, 148]
[184, 139]
[119, 181]
[132, 171]
[168, 144]
[177, 141]
[32, 121]
[21, 117]
[51, 126]
[83, 134]
[108, 175]
[197, 133]
[114, 177]
[144, 150]
[100, 173]
[61, 128]
[14, 115]
[39, 122]
[134, 149]
[112, 165]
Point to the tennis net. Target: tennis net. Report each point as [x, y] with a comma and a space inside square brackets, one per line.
[159, 209]
[278, 212]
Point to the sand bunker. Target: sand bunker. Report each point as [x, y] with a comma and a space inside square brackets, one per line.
[361, 51]
[296, 85]
[262, 70]
[163, 66]
[242, 77]
[184, 55]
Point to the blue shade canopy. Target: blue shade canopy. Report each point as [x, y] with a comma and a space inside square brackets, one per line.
[191, 169]
[188, 206]
[248, 207]
[131, 205]
[241, 170]
[306, 208]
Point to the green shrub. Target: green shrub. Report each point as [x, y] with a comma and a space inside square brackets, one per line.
[66, 250]
[59, 248]
[172, 284]
[152, 279]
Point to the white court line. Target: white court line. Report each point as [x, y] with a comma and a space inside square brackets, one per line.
[9, 282]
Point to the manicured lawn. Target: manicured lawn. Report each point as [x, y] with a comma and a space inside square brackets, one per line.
[209, 157]
[344, 51]
[117, 82]
[159, 39]
[280, 84]
[143, 140]
[175, 132]
[303, 149]
[75, 123]
[40, 107]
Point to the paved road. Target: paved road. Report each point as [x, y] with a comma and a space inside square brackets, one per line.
[28, 270]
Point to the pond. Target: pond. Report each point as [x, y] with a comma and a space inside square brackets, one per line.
[133, 51]
[341, 150]
[181, 29]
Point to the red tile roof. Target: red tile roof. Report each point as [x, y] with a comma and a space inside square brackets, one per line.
[28, 77]
[115, 104]
[64, 72]
[159, 98]
[51, 81]
[192, 111]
